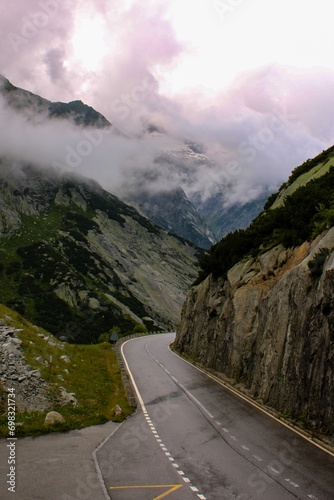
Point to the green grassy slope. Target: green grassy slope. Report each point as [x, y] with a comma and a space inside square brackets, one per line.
[93, 375]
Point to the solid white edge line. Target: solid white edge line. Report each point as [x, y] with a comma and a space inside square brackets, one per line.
[309, 440]
[140, 399]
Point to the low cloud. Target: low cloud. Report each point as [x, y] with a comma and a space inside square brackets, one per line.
[245, 144]
[251, 134]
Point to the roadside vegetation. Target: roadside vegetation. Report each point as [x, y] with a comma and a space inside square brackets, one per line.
[93, 375]
[304, 215]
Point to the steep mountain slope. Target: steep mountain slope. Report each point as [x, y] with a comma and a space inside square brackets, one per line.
[225, 220]
[76, 260]
[262, 310]
[173, 211]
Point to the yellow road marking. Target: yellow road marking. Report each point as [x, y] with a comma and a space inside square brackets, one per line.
[172, 487]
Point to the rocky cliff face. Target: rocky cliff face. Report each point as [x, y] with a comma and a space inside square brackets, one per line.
[269, 326]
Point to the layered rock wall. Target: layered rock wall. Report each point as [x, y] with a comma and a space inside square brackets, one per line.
[269, 326]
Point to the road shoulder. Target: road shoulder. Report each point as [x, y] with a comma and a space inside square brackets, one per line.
[57, 466]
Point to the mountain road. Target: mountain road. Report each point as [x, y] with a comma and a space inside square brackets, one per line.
[193, 438]
[190, 438]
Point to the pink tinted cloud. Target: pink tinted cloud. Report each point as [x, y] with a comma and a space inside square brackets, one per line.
[36, 42]
[237, 124]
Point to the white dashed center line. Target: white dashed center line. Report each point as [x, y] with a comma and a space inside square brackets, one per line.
[152, 427]
[292, 483]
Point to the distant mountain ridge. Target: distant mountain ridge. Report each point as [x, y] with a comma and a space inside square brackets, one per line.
[173, 211]
[223, 220]
[25, 101]
[201, 221]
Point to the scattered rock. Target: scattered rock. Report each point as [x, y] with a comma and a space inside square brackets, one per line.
[10, 349]
[30, 389]
[41, 360]
[67, 398]
[53, 417]
[66, 359]
[52, 343]
[16, 341]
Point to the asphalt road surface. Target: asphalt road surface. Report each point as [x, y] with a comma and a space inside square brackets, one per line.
[192, 438]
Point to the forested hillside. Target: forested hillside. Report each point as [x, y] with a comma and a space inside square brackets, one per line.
[304, 214]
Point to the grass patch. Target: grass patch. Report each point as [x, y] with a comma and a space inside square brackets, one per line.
[317, 171]
[93, 375]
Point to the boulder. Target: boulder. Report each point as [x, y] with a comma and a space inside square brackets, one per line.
[53, 417]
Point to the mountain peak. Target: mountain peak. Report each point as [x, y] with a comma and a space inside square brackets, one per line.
[5, 84]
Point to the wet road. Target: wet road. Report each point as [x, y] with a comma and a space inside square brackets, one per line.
[192, 438]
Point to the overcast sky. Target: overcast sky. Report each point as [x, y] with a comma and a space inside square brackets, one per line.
[252, 80]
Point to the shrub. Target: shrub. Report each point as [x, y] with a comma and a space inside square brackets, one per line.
[104, 337]
[140, 328]
[316, 265]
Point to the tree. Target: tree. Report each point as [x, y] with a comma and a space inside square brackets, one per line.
[140, 328]
[104, 337]
[115, 329]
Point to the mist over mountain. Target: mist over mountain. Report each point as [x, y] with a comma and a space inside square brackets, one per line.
[221, 191]
[223, 220]
[148, 172]
[158, 159]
